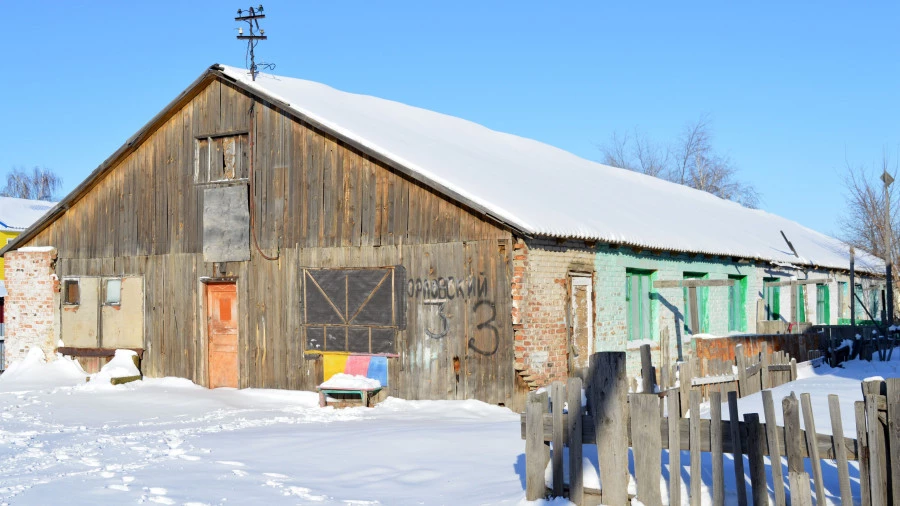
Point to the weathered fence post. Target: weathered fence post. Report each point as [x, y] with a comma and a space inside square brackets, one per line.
[685, 375]
[840, 450]
[810, 425]
[647, 373]
[576, 472]
[893, 419]
[536, 456]
[765, 361]
[862, 445]
[793, 442]
[741, 364]
[877, 457]
[755, 450]
[696, 472]
[608, 406]
[647, 446]
[774, 448]
[736, 448]
[715, 447]
[674, 419]
[800, 493]
[557, 399]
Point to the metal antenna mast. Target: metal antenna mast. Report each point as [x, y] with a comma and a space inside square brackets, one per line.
[252, 17]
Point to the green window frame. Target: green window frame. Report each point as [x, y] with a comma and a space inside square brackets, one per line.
[858, 297]
[737, 304]
[843, 299]
[702, 303]
[639, 304]
[801, 303]
[823, 305]
[773, 300]
[873, 304]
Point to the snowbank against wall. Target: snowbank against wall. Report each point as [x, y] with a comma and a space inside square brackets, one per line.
[33, 295]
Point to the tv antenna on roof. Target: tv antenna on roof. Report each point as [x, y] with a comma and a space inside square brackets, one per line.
[252, 16]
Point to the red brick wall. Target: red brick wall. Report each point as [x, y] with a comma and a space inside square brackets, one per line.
[539, 306]
[31, 303]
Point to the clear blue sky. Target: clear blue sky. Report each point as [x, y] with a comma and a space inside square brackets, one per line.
[793, 88]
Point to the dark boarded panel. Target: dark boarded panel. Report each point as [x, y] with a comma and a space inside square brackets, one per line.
[226, 224]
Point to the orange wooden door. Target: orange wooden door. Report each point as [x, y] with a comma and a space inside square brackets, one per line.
[222, 331]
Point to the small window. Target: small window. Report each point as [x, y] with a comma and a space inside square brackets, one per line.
[113, 289]
[773, 299]
[71, 292]
[220, 159]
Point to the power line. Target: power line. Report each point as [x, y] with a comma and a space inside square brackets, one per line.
[252, 16]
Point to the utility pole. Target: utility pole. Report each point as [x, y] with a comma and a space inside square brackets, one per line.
[888, 254]
[252, 17]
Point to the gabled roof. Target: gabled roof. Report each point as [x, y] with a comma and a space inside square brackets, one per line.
[18, 214]
[543, 190]
[534, 188]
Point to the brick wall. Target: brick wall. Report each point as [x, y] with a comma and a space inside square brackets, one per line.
[31, 303]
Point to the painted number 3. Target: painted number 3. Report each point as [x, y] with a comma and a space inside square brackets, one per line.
[487, 324]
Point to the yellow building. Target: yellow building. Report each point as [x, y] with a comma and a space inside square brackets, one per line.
[16, 215]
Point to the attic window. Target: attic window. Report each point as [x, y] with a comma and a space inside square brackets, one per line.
[220, 158]
[71, 292]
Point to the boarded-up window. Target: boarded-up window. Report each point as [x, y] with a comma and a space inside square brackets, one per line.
[222, 158]
[71, 291]
[226, 224]
[354, 310]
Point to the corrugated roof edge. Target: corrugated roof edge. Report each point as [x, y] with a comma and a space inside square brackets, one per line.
[216, 70]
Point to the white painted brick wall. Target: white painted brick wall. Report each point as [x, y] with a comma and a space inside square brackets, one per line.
[32, 304]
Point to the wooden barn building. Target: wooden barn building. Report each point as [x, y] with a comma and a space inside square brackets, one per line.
[259, 233]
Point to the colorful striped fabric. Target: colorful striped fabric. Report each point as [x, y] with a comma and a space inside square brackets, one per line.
[370, 366]
[357, 365]
[378, 370]
[333, 364]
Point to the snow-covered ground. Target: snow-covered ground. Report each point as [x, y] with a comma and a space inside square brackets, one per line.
[168, 441]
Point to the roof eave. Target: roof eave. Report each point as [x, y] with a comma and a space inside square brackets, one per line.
[110, 162]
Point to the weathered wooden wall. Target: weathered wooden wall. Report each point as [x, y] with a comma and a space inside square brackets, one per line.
[317, 203]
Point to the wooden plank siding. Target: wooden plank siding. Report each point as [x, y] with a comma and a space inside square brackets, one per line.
[317, 202]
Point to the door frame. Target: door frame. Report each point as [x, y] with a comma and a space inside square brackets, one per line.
[576, 278]
[202, 377]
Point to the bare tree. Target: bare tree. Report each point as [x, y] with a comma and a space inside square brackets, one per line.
[38, 184]
[691, 161]
[863, 224]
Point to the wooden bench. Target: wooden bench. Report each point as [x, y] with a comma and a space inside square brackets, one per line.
[370, 366]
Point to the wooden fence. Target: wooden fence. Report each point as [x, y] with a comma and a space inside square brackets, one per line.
[613, 415]
[745, 375]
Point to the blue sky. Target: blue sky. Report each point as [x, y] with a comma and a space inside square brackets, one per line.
[794, 91]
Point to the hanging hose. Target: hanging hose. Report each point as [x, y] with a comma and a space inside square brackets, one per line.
[252, 136]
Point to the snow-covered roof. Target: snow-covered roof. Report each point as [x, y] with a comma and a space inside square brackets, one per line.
[18, 214]
[543, 190]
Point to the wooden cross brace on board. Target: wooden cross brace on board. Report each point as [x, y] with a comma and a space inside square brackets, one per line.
[691, 285]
